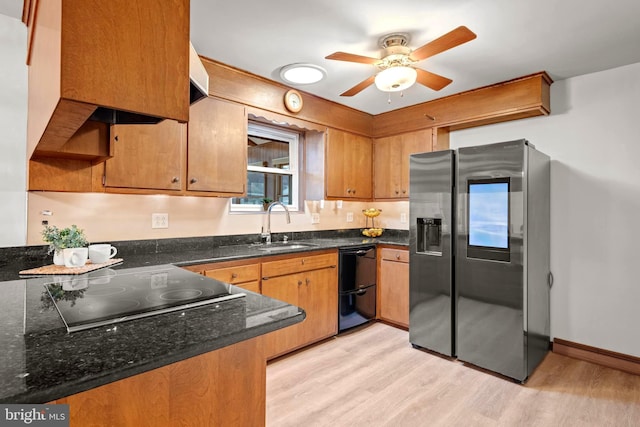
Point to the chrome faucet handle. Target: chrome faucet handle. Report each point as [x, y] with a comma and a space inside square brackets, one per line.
[285, 238]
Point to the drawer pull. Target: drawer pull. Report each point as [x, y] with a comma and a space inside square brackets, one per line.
[234, 275]
[302, 261]
[299, 282]
[398, 256]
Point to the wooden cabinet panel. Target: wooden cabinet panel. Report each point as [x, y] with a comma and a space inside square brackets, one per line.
[391, 165]
[217, 149]
[147, 156]
[523, 97]
[348, 165]
[314, 291]
[223, 387]
[235, 275]
[299, 263]
[394, 286]
[253, 286]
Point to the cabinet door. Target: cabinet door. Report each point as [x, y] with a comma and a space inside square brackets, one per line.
[319, 299]
[147, 156]
[412, 143]
[284, 288]
[217, 148]
[394, 289]
[391, 163]
[348, 165]
[387, 170]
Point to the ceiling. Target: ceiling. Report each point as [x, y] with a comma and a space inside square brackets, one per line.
[514, 38]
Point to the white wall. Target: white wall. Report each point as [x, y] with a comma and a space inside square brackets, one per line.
[593, 139]
[13, 123]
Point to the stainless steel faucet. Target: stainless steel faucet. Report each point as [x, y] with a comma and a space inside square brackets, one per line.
[267, 234]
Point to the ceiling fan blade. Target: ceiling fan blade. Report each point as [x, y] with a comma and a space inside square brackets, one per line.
[350, 57]
[450, 40]
[359, 87]
[431, 80]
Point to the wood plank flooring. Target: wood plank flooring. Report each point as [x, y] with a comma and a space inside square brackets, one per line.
[373, 377]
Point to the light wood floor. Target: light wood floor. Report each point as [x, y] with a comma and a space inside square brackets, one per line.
[373, 377]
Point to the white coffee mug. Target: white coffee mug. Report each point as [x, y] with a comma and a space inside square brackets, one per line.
[101, 253]
[75, 257]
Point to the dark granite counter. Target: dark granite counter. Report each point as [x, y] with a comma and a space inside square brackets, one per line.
[40, 361]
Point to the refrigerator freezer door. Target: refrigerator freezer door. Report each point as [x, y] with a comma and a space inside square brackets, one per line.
[431, 292]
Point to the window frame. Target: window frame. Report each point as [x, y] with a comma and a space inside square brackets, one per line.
[291, 137]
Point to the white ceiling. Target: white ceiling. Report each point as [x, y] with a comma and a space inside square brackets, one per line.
[566, 38]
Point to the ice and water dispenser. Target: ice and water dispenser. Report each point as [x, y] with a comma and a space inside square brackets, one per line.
[429, 236]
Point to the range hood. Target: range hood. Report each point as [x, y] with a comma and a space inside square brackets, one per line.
[198, 89]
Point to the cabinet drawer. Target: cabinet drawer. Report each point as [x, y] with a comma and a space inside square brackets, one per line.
[298, 264]
[253, 286]
[398, 255]
[238, 274]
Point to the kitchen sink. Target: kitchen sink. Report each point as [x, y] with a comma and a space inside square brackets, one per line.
[283, 246]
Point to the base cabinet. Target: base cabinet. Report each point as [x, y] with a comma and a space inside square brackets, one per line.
[313, 286]
[226, 387]
[394, 286]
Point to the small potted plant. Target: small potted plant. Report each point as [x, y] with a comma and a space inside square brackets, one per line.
[266, 202]
[59, 239]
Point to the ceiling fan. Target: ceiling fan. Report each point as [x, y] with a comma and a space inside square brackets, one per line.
[397, 71]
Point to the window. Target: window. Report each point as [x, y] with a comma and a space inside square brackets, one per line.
[272, 168]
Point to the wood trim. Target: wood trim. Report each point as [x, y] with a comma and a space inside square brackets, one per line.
[525, 96]
[237, 85]
[611, 359]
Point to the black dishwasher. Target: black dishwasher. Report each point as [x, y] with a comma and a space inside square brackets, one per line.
[356, 286]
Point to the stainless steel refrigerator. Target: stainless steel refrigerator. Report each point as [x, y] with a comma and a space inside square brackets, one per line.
[479, 255]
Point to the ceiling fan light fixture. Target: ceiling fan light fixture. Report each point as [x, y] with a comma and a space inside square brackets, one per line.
[396, 79]
[302, 74]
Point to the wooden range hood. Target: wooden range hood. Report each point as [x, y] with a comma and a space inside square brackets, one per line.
[107, 61]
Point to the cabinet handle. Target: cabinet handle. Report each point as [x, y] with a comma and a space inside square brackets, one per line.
[234, 275]
[397, 192]
[348, 191]
[353, 191]
[175, 179]
[404, 191]
[397, 256]
[307, 281]
[116, 138]
[302, 261]
[299, 282]
[193, 180]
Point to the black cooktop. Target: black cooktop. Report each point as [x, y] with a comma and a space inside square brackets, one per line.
[109, 296]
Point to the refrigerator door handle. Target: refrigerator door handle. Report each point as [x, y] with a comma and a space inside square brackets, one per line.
[550, 280]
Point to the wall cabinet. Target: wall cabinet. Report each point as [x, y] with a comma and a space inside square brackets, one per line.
[391, 162]
[348, 170]
[217, 147]
[307, 281]
[208, 155]
[147, 156]
[393, 286]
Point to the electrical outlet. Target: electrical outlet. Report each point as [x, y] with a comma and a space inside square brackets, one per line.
[315, 218]
[339, 204]
[403, 217]
[159, 220]
[349, 216]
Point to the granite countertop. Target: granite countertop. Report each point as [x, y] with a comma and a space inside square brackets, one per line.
[40, 361]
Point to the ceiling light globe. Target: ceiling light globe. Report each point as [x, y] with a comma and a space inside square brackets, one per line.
[396, 79]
